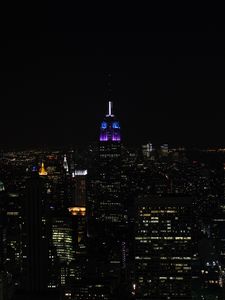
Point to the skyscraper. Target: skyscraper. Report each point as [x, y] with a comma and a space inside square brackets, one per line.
[62, 245]
[107, 247]
[35, 237]
[163, 247]
[110, 207]
[2, 224]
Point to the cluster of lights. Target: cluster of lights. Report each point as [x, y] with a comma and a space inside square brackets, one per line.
[77, 211]
[80, 172]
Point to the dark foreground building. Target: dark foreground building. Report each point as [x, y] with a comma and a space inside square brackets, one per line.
[35, 238]
[163, 248]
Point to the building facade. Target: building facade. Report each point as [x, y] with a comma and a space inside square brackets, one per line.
[163, 248]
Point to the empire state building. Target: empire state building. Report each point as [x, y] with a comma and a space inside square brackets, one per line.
[110, 206]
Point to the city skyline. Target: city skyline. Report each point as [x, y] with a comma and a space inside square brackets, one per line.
[112, 155]
[112, 222]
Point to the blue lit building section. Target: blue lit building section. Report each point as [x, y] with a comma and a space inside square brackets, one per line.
[104, 125]
[116, 125]
[110, 128]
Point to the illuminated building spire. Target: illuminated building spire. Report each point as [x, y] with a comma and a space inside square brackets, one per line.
[110, 109]
[42, 171]
[65, 163]
[110, 127]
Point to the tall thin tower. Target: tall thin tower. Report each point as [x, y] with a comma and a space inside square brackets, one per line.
[108, 214]
[110, 207]
[35, 237]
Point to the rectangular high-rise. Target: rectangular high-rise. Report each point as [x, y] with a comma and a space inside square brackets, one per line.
[107, 255]
[110, 206]
[163, 247]
[35, 237]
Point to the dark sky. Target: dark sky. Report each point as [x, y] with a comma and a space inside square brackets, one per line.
[167, 78]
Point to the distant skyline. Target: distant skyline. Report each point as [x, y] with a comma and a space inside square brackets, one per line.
[167, 83]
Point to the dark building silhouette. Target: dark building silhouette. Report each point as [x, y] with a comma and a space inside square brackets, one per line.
[35, 237]
[5, 277]
[3, 227]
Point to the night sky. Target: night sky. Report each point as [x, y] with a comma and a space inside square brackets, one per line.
[167, 79]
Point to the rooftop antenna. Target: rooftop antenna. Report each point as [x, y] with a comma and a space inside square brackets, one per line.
[110, 108]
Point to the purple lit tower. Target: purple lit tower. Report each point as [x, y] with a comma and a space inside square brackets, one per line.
[109, 211]
[110, 206]
[110, 127]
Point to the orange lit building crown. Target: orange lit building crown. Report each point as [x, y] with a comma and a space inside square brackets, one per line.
[77, 211]
[42, 171]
